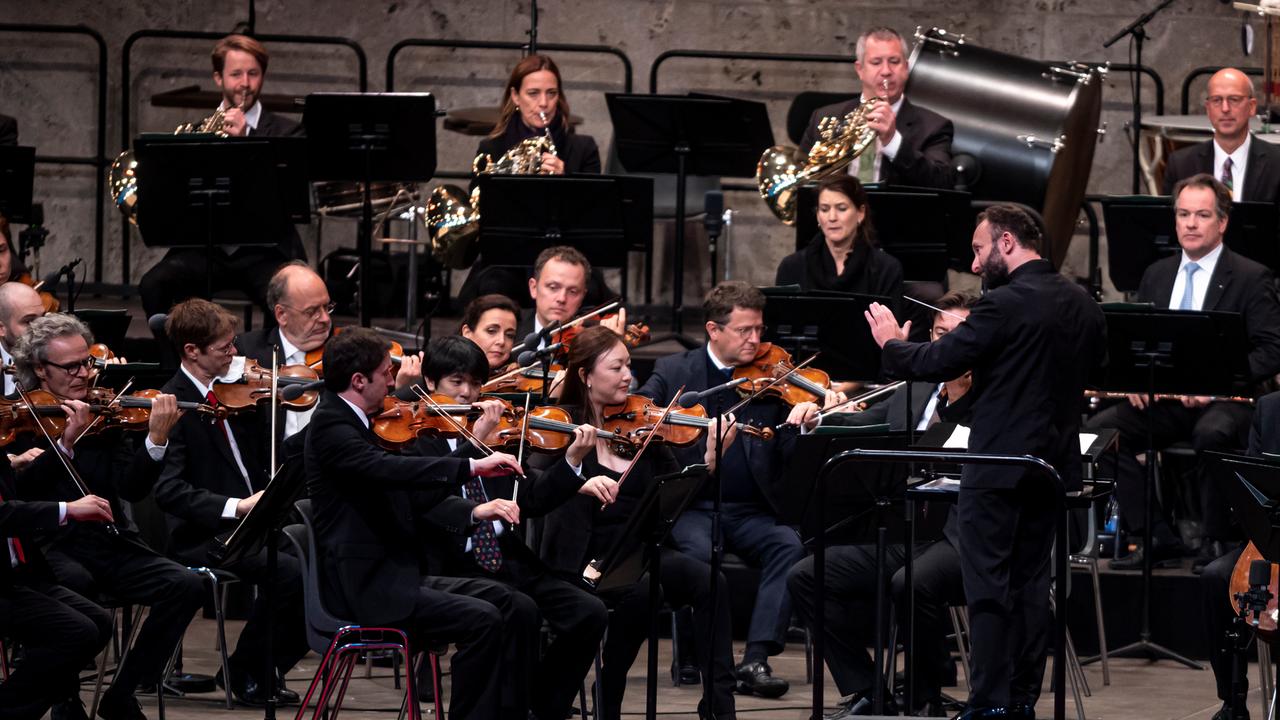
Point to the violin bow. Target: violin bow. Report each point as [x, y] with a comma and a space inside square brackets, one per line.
[649, 438]
[115, 399]
[465, 433]
[524, 434]
[576, 321]
[62, 457]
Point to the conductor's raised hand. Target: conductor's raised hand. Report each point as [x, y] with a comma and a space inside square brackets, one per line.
[884, 326]
[495, 465]
[506, 510]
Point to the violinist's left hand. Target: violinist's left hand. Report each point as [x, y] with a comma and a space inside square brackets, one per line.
[832, 399]
[884, 326]
[410, 371]
[117, 360]
[1194, 401]
[617, 323]
[490, 416]
[804, 415]
[78, 419]
[164, 415]
[713, 435]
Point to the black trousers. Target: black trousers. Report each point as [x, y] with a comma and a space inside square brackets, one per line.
[1218, 611]
[61, 632]
[684, 581]
[128, 573]
[849, 613]
[182, 273]
[1220, 426]
[467, 613]
[286, 626]
[1005, 541]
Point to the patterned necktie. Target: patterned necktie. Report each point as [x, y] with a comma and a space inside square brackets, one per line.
[484, 541]
[1226, 175]
[867, 163]
[1188, 301]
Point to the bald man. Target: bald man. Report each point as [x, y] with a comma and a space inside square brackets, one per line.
[1249, 168]
[19, 305]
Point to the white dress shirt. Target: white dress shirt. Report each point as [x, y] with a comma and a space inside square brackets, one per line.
[228, 510]
[1239, 164]
[294, 420]
[1199, 281]
[930, 408]
[251, 116]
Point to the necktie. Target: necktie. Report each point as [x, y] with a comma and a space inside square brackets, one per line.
[1226, 175]
[212, 400]
[1188, 302]
[867, 163]
[17, 545]
[484, 541]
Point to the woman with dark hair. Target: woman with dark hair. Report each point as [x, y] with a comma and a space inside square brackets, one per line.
[845, 255]
[490, 321]
[598, 375]
[533, 103]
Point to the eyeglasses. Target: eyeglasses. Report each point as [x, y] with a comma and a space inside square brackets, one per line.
[313, 312]
[1231, 100]
[223, 349]
[73, 368]
[745, 332]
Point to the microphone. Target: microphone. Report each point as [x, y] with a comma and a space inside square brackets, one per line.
[1259, 593]
[67, 269]
[530, 356]
[293, 392]
[713, 221]
[692, 398]
[156, 324]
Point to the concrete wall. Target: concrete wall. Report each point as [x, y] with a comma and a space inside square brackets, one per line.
[48, 82]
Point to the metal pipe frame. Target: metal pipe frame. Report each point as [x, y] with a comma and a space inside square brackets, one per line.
[506, 45]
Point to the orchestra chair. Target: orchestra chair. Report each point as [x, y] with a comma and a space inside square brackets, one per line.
[340, 643]
[1087, 558]
[122, 649]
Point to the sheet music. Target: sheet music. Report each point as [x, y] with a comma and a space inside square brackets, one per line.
[1086, 442]
[959, 439]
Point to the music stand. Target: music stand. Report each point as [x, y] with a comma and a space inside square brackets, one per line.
[17, 178]
[827, 322]
[389, 137]
[639, 549]
[687, 135]
[1177, 352]
[928, 230]
[198, 193]
[1141, 230]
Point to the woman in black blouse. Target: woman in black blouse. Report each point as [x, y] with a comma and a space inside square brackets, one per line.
[844, 256]
[599, 374]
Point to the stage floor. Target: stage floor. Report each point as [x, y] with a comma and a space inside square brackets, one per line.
[1138, 689]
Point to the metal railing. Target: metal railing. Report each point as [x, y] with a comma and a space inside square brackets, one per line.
[506, 45]
[1207, 70]
[739, 55]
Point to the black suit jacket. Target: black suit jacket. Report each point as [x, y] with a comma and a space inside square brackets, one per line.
[1264, 435]
[1261, 173]
[200, 474]
[272, 125]
[365, 502]
[923, 159]
[1238, 285]
[1031, 345]
[764, 458]
[22, 518]
[8, 130]
[579, 153]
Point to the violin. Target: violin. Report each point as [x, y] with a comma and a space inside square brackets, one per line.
[771, 362]
[634, 335]
[527, 379]
[133, 411]
[315, 358]
[402, 421]
[638, 417]
[50, 302]
[44, 409]
[1267, 620]
[254, 386]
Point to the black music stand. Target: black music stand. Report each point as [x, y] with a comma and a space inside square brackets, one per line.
[928, 230]
[827, 322]
[639, 549]
[389, 137]
[1177, 352]
[202, 193]
[687, 135]
[1141, 230]
[17, 178]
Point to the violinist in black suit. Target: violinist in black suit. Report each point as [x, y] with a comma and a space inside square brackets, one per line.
[53, 356]
[913, 145]
[1249, 168]
[367, 503]
[59, 629]
[456, 368]
[213, 476]
[560, 284]
[1030, 343]
[851, 569]
[239, 68]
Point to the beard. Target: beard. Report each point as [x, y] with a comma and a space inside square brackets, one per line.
[995, 271]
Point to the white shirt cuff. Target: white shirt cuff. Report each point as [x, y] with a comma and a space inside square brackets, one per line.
[471, 463]
[577, 469]
[229, 510]
[65, 449]
[890, 148]
[156, 452]
[62, 513]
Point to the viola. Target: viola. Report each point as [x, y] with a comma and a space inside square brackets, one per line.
[1267, 621]
[50, 302]
[315, 358]
[133, 411]
[254, 386]
[638, 417]
[43, 408]
[793, 386]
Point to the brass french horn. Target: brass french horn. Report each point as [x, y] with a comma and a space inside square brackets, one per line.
[783, 169]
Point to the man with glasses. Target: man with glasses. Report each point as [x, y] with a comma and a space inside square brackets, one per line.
[1250, 169]
[214, 474]
[750, 471]
[52, 355]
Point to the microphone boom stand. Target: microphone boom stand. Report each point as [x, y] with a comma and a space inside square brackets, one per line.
[1138, 29]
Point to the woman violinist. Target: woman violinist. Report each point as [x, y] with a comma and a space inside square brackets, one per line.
[599, 374]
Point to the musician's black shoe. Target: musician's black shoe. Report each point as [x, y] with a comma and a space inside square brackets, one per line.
[860, 704]
[995, 713]
[686, 672]
[1224, 713]
[244, 689]
[1210, 550]
[120, 706]
[1164, 555]
[1022, 711]
[72, 709]
[756, 678]
[285, 696]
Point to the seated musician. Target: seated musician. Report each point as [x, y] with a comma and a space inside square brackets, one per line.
[239, 69]
[751, 470]
[844, 256]
[53, 356]
[913, 145]
[19, 305]
[367, 502]
[558, 287]
[456, 368]
[599, 374]
[1250, 169]
[851, 569]
[1204, 276]
[213, 475]
[490, 322]
[60, 631]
